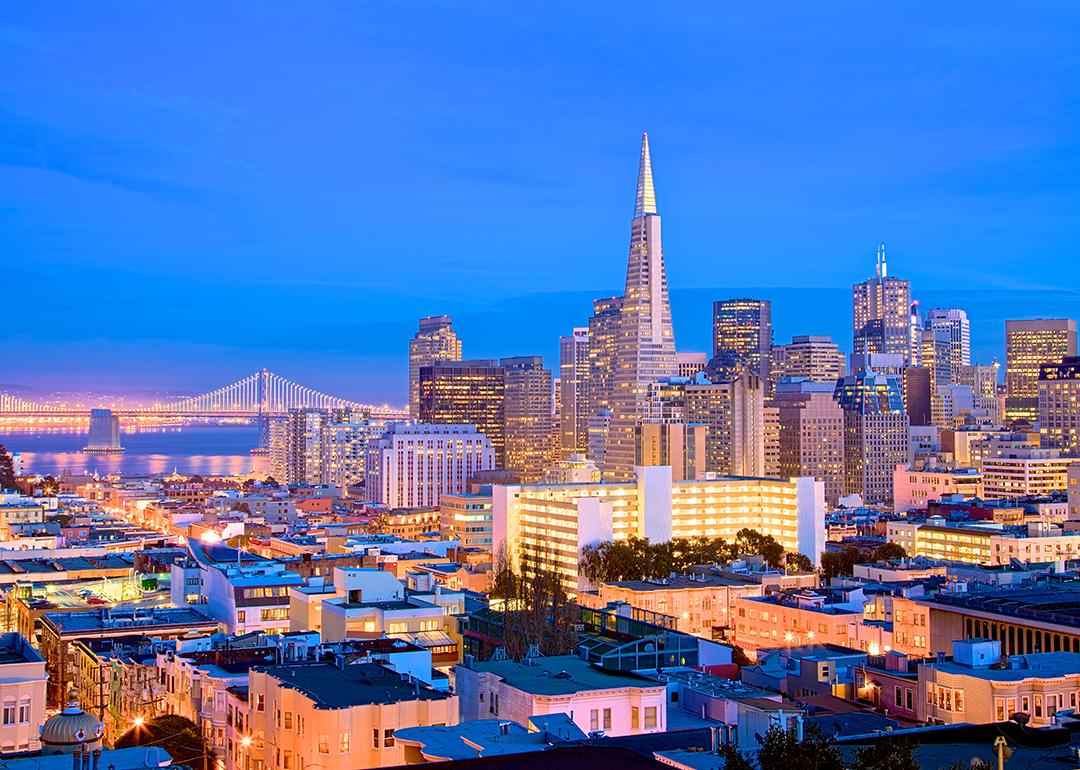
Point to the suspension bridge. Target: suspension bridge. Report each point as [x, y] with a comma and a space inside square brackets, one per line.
[257, 396]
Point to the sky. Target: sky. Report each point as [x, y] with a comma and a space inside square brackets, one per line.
[192, 191]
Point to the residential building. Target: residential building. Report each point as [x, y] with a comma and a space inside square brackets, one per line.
[22, 695]
[1029, 345]
[875, 434]
[742, 337]
[412, 466]
[645, 347]
[574, 381]
[615, 702]
[347, 451]
[545, 527]
[435, 341]
[881, 314]
[467, 392]
[298, 447]
[466, 518]
[805, 616]
[308, 714]
[812, 357]
[984, 542]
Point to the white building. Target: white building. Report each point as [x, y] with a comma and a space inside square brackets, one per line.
[410, 466]
[22, 694]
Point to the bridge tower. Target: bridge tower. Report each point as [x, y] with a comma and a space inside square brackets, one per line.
[262, 420]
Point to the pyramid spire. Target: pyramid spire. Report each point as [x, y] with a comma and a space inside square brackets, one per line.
[646, 193]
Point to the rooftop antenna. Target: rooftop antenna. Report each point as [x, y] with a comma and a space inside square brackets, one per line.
[882, 267]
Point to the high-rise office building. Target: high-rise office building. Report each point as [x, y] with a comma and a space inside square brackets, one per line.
[467, 393]
[811, 357]
[954, 324]
[603, 341]
[742, 337]
[530, 430]
[733, 412]
[574, 383]
[1029, 345]
[983, 381]
[915, 354]
[811, 435]
[435, 341]
[875, 434]
[881, 313]
[645, 348]
[412, 466]
[1059, 406]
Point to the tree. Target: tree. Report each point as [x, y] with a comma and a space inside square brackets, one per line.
[49, 486]
[781, 750]
[177, 735]
[889, 551]
[836, 563]
[799, 561]
[242, 506]
[7, 470]
[536, 610]
[735, 759]
[887, 753]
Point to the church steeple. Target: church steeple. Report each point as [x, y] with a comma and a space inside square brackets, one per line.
[646, 193]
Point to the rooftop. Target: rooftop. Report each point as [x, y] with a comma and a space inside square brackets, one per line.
[361, 684]
[96, 620]
[561, 675]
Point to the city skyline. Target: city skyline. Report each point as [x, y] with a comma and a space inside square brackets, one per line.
[159, 198]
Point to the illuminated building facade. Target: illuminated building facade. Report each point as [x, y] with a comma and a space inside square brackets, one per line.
[690, 363]
[545, 527]
[467, 392]
[676, 444]
[412, 466]
[299, 447]
[104, 435]
[811, 357]
[742, 337]
[645, 348]
[1029, 345]
[574, 380]
[1059, 406]
[530, 417]
[435, 341]
[1018, 472]
[954, 325]
[733, 412]
[881, 313]
[875, 434]
[811, 434]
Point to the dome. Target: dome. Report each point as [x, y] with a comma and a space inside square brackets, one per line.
[71, 729]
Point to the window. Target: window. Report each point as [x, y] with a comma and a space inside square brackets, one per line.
[429, 625]
[344, 743]
[910, 699]
[398, 627]
[241, 616]
[899, 697]
[9, 713]
[607, 719]
[388, 738]
[299, 725]
[324, 743]
[288, 720]
[287, 764]
[260, 702]
[24, 712]
[635, 721]
[999, 709]
[1025, 704]
[650, 717]
[594, 721]
[375, 738]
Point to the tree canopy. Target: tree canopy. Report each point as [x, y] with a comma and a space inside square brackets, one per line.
[536, 610]
[177, 735]
[780, 750]
[637, 559]
[7, 470]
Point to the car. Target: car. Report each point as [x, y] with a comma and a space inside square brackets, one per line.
[95, 600]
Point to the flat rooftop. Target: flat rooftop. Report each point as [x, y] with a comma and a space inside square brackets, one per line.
[561, 675]
[361, 684]
[680, 582]
[100, 620]
[1049, 605]
[1043, 665]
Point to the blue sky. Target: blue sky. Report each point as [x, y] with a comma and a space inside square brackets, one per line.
[191, 191]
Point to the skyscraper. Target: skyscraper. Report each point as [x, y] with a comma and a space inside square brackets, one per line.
[467, 393]
[742, 337]
[875, 434]
[435, 341]
[812, 357]
[299, 447]
[881, 313]
[530, 434]
[104, 433]
[1059, 413]
[954, 324]
[1029, 345]
[645, 349]
[574, 392]
[603, 341]
[811, 441]
[734, 411]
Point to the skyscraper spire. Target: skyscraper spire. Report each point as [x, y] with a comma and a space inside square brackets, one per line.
[881, 261]
[646, 193]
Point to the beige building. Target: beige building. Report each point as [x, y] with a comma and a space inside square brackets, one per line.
[676, 444]
[810, 357]
[22, 695]
[466, 518]
[531, 441]
[733, 411]
[1059, 406]
[913, 488]
[984, 543]
[875, 434]
[1022, 472]
[1029, 345]
[811, 435]
[315, 714]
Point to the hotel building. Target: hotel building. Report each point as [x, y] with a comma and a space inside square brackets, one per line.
[545, 527]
